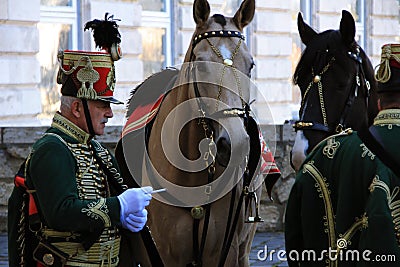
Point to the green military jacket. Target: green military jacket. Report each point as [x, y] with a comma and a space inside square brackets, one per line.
[78, 208]
[344, 208]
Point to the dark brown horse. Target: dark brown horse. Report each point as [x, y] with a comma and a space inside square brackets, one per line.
[337, 85]
[203, 147]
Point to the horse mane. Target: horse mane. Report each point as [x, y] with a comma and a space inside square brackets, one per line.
[220, 19]
[150, 90]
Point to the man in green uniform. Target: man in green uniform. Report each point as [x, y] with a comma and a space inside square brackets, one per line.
[74, 181]
[344, 208]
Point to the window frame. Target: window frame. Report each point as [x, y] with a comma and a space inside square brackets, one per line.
[65, 15]
[164, 20]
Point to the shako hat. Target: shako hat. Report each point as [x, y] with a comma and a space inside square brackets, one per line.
[91, 75]
[388, 73]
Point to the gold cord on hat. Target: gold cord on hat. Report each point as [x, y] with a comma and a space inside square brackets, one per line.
[87, 75]
[383, 74]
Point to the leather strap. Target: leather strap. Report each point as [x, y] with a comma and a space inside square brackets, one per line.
[88, 117]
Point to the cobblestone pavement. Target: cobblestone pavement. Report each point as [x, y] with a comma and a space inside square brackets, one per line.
[265, 250]
[3, 250]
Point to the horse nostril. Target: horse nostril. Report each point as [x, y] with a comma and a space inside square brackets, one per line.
[223, 151]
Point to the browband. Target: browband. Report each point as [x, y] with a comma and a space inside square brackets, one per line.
[206, 35]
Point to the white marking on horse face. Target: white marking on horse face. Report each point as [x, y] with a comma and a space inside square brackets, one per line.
[225, 52]
[299, 150]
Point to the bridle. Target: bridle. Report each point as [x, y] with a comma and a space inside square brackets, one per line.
[228, 63]
[205, 121]
[341, 124]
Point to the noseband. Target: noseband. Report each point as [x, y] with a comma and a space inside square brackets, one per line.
[341, 124]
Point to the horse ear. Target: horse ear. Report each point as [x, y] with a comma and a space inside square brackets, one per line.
[305, 31]
[347, 27]
[201, 11]
[245, 14]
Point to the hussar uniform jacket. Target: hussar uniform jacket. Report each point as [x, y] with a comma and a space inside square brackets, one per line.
[344, 208]
[78, 208]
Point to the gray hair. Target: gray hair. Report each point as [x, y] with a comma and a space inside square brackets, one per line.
[66, 102]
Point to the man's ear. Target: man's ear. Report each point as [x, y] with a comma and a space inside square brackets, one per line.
[379, 104]
[77, 108]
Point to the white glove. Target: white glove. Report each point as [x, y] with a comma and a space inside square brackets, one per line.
[136, 221]
[134, 200]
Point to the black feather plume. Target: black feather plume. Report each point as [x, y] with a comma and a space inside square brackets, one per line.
[105, 32]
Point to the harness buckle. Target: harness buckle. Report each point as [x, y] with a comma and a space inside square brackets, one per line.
[253, 199]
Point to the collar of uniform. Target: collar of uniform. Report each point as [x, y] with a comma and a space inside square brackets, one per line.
[67, 127]
[388, 116]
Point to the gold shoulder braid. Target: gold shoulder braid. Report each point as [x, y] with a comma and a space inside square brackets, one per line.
[92, 185]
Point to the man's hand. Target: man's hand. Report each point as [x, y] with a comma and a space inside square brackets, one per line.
[134, 200]
[136, 221]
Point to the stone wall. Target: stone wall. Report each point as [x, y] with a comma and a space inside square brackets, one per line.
[15, 144]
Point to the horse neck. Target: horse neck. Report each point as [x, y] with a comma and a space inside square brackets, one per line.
[189, 137]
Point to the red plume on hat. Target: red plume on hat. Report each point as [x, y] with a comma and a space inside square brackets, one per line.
[91, 75]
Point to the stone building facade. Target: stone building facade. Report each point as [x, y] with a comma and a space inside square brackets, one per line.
[156, 34]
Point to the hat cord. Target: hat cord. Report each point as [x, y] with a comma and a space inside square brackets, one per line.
[383, 74]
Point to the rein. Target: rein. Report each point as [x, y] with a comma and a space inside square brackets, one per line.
[341, 124]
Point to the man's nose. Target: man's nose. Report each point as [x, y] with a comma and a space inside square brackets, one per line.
[109, 113]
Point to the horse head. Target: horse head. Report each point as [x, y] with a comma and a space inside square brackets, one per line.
[220, 67]
[337, 85]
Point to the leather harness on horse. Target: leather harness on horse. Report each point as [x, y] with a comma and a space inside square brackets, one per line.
[341, 124]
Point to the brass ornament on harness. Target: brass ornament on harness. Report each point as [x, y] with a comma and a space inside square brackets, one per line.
[302, 124]
[228, 62]
[317, 79]
[197, 212]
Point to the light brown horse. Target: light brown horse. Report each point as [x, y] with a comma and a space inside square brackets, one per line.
[199, 147]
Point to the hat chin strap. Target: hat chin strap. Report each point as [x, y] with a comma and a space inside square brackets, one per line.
[88, 117]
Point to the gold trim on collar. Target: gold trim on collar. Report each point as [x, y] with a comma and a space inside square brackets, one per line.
[67, 127]
[388, 116]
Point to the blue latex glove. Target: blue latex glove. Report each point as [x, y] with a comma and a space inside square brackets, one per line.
[134, 200]
[136, 221]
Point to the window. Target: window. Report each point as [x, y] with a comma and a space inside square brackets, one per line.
[156, 35]
[57, 31]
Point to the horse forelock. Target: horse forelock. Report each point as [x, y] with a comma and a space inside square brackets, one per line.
[220, 19]
[307, 62]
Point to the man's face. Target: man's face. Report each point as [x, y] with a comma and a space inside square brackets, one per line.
[100, 112]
